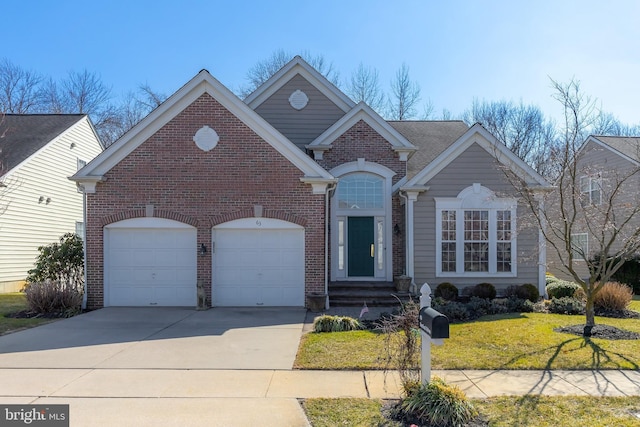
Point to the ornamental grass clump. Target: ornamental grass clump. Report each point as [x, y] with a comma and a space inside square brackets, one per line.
[613, 296]
[329, 323]
[439, 404]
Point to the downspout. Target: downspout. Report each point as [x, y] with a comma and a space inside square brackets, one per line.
[542, 249]
[84, 248]
[327, 218]
[408, 239]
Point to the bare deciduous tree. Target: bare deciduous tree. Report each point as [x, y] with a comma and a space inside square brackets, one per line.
[522, 128]
[135, 106]
[610, 219]
[405, 95]
[364, 86]
[19, 89]
[263, 70]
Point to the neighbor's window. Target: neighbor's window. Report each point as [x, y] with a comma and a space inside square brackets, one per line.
[579, 245]
[475, 241]
[591, 189]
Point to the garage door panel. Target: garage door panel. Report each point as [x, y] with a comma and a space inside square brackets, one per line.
[150, 266]
[141, 257]
[121, 258]
[259, 266]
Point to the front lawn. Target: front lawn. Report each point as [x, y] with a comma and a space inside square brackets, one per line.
[13, 303]
[507, 341]
[524, 411]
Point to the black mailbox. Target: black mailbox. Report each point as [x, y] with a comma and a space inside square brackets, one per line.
[434, 323]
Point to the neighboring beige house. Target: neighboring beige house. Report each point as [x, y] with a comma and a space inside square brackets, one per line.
[38, 203]
[607, 180]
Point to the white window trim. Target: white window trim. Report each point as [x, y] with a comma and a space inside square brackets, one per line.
[576, 254]
[594, 183]
[476, 197]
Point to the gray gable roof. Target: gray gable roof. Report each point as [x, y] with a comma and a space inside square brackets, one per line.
[21, 135]
[430, 137]
[627, 145]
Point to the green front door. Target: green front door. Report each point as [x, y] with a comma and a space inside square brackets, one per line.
[361, 248]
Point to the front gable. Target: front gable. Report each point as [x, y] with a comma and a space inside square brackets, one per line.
[479, 136]
[300, 102]
[201, 88]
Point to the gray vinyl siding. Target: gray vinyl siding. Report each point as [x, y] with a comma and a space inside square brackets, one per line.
[595, 158]
[475, 165]
[28, 223]
[300, 126]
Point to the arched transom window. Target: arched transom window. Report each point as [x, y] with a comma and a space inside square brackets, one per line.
[360, 191]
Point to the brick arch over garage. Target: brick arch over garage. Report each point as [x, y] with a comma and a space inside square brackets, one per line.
[142, 213]
[250, 213]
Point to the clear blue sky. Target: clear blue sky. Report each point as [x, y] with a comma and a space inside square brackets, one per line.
[456, 50]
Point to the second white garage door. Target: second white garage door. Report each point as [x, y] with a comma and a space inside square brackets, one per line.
[258, 262]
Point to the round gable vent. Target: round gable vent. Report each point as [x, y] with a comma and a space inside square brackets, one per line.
[206, 138]
[298, 99]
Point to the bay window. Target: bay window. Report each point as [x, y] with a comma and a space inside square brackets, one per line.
[475, 234]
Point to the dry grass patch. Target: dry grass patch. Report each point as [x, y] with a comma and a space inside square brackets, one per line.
[509, 341]
[13, 303]
[526, 411]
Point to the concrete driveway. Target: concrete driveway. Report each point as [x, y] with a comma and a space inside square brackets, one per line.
[160, 338]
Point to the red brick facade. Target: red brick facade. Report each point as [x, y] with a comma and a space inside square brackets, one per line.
[204, 189]
[362, 141]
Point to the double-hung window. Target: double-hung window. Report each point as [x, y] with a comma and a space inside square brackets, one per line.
[475, 234]
[591, 189]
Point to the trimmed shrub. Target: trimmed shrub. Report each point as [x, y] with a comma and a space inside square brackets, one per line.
[529, 292]
[511, 305]
[478, 307]
[52, 298]
[438, 404]
[484, 290]
[446, 291]
[566, 305]
[613, 296]
[561, 289]
[455, 311]
[328, 323]
[61, 262]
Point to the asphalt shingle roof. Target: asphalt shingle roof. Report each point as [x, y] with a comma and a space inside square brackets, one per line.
[21, 135]
[431, 138]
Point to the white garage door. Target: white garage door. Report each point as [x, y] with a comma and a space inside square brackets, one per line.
[258, 262]
[150, 262]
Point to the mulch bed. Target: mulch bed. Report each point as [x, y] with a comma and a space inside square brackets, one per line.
[601, 331]
[26, 314]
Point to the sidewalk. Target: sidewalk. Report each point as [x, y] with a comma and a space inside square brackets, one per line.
[187, 397]
[274, 384]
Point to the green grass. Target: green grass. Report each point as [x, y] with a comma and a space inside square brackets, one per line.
[527, 411]
[511, 341]
[12, 303]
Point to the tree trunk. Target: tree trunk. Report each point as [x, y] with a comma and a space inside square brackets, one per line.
[590, 314]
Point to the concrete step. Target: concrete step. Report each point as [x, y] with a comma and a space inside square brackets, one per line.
[374, 294]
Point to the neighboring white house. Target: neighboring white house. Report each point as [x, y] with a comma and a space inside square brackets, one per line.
[38, 203]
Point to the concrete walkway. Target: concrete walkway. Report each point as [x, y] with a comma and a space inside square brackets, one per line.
[172, 368]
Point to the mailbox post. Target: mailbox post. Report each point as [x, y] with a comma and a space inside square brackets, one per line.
[434, 326]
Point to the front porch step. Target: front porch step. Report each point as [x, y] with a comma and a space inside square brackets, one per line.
[374, 294]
